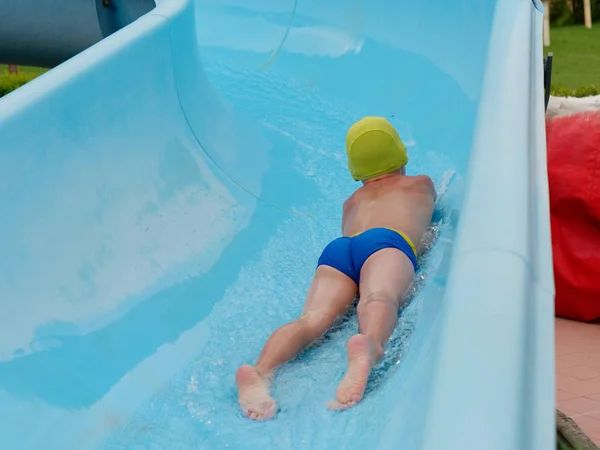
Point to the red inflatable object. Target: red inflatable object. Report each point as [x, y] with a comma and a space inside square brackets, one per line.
[574, 179]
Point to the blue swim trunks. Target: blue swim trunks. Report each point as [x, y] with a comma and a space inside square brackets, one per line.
[348, 254]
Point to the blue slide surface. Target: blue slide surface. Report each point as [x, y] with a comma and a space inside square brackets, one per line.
[165, 195]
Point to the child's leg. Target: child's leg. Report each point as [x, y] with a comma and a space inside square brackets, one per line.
[384, 281]
[330, 293]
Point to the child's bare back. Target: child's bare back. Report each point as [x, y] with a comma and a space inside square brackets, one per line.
[393, 201]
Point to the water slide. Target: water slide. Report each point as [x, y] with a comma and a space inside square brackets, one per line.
[165, 194]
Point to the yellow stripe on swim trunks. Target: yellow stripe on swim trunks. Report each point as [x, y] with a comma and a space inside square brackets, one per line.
[406, 238]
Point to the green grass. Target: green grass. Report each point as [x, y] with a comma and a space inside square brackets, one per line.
[27, 70]
[576, 62]
[10, 82]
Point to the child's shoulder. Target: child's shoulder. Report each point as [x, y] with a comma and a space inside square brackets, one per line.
[422, 178]
[424, 182]
[352, 198]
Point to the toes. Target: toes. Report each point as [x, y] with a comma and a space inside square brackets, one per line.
[250, 413]
[334, 405]
[254, 415]
[263, 413]
[337, 405]
[345, 397]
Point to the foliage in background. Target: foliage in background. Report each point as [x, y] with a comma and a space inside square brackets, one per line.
[570, 12]
[561, 13]
[10, 82]
[578, 10]
[24, 69]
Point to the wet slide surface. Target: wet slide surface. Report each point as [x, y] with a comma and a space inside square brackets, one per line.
[167, 192]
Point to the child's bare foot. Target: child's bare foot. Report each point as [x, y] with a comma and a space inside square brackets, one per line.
[253, 394]
[361, 357]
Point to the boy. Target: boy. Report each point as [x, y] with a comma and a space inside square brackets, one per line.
[376, 257]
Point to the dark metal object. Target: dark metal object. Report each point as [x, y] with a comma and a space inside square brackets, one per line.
[47, 33]
[547, 78]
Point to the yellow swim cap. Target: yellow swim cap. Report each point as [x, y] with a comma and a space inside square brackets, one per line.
[374, 148]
